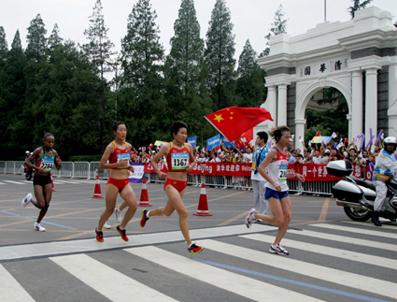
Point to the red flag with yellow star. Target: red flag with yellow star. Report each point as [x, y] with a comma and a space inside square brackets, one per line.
[233, 121]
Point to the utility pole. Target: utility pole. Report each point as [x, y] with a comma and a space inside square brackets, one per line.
[325, 11]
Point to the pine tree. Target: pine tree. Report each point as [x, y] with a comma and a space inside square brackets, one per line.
[3, 43]
[183, 71]
[98, 50]
[357, 5]
[142, 82]
[99, 47]
[250, 83]
[54, 40]
[16, 42]
[36, 40]
[15, 128]
[184, 60]
[219, 55]
[279, 26]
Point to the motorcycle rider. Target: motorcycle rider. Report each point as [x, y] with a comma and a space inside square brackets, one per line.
[385, 169]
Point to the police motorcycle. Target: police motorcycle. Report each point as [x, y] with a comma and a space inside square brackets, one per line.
[27, 170]
[357, 196]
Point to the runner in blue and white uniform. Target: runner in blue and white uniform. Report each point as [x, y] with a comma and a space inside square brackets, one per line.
[274, 169]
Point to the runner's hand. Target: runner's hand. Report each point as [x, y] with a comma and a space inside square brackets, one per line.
[300, 177]
[162, 175]
[278, 187]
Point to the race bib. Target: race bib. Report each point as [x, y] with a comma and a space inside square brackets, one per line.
[123, 157]
[282, 176]
[47, 162]
[179, 161]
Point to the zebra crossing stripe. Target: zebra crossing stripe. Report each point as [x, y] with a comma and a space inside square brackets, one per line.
[11, 289]
[229, 281]
[109, 282]
[355, 230]
[14, 182]
[355, 241]
[341, 277]
[1, 183]
[329, 251]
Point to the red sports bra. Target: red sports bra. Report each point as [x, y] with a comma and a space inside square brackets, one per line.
[119, 154]
[178, 159]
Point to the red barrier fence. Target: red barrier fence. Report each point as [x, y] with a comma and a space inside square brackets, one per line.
[312, 172]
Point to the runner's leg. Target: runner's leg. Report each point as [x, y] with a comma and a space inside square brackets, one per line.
[111, 196]
[129, 198]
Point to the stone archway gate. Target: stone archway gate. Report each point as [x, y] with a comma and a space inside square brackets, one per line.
[357, 57]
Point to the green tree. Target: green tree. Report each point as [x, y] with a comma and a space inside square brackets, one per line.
[99, 46]
[184, 61]
[357, 5]
[54, 40]
[3, 43]
[141, 99]
[219, 55]
[16, 127]
[329, 120]
[36, 40]
[250, 86]
[183, 71]
[16, 42]
[279, 26]
[99, 51]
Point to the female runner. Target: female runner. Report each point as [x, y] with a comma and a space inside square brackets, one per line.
[179, 157]
[116, 159]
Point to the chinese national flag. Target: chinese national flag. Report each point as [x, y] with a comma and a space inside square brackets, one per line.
[233, 121]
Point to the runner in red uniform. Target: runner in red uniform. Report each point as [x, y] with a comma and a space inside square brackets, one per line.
[116, 159]
[42, 161]
[179, 157]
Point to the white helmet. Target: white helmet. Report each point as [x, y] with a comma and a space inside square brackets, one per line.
[390, 140]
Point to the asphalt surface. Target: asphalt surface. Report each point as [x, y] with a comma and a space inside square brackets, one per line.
[331, 258]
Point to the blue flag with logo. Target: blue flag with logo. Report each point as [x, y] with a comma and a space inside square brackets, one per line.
[227, 143]
[213, 142]
[192, 140]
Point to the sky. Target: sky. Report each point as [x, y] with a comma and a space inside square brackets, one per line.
[251, 18]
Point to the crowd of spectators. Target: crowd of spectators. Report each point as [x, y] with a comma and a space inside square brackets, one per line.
[314, 153]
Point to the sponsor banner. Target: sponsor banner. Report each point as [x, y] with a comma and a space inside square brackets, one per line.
[311, 172]
[139, 170]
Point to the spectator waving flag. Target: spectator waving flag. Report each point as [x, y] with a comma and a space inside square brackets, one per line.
[213, 142]
[233, 121]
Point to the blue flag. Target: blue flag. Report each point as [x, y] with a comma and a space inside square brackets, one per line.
[192, 140]
[227, 144]
[213, 142]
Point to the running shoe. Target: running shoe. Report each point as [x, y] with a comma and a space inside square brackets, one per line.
[250, 218]
[144, 218]
[27, 199]
[122, 233]
[117, 214]
[195, 249]
[107, 225]
[283, 249]
[99, 235]
[38, 227]
[277, 249]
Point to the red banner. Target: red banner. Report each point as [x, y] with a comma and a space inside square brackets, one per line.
[311, 172]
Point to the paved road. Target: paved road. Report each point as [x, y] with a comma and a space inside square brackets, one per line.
[332, 259]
